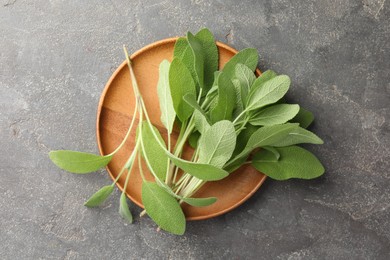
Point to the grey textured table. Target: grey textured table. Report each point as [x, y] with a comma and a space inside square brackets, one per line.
[55, 58]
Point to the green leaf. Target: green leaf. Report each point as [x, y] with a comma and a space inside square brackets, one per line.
[274, 115]
[299, 136]
[181, 83]
[197, 51]
[248, 57]
[269, 135]
[217, 144]
[239, 104]
[164, 209]
[270, 92]
[78, 162]
[193, 139]
[304, 118]
[210, 50]
[246, 78]
[184, 53]
[200, 202]
[264, 77]
[294, 162]
[273, 151]
[243, 138]
[99, 197]
[201, 121]
[201, 171]
[224, 106]
[155, 153]
[124, 210]
[168, 114]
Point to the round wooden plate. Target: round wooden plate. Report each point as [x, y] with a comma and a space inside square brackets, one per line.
[114, 114]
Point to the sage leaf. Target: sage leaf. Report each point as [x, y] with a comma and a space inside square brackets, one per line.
[154, 152]
[243, 138]
[181, 83]
[197, 51]
[99, 197]
[210, 50]
[78, 162]
[217, 144]
[264, 77]
[239, 103]
[248, 57]
[168, 114]
[201, 171]
[294, 162]
[124, 210]
[274, 115]
[201, 121]
[270, 92]
[224, 106]
[184, 53]
[304, 118]
[273, 151]
[163, 208]
[246, 78]
[299, 136]
[200, 202]
[193, 139]
[191, 100]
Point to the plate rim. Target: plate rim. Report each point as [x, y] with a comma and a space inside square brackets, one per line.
[100, 107]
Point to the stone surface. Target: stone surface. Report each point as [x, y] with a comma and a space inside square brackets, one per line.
[56, 57]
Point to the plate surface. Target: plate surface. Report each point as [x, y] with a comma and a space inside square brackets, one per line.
[114, 114]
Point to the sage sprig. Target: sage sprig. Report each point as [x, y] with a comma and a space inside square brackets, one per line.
[229, 116]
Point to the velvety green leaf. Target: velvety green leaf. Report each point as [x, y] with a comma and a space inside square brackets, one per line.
[181, 83]
[124, 210]
[163, 208]
[273, 151]
[224, 106]
[270, 92]
[201, 121]
[193, 139]
[168, 114]
[294, 162]
[210, 50]
[197, 51]
[248, 57]
[155, 153]
[183, 52]
[217, 144]
[264, 77]
[200, 202]
[274, 115]
[191, 100]
[243, 138]
[78, 162]
[99, 197]
[304, 118]
[299, 136]
[239, 106]
[246, 78]
[201, 171]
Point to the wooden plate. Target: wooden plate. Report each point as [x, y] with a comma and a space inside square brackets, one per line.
[114, 114]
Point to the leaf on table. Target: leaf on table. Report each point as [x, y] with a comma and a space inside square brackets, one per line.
[270, 92]
[163, 208]
[78, 162]
[200, 202]
[294, 162]
[304, 118]
[273, 151]
[217, 144]
[99, 197]
[181, 83]
[210, 50]
[264, 77]
[168, 114]
[274, 115]
[156, 155]
[124, 210]
[299, 136]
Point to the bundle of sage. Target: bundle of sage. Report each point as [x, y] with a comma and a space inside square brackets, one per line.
[225, 115]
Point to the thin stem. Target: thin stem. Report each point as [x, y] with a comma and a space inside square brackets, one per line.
[240, 115]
